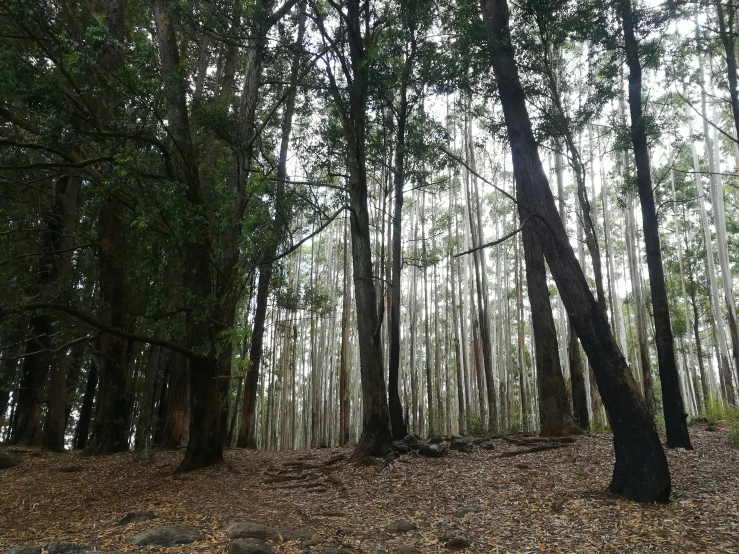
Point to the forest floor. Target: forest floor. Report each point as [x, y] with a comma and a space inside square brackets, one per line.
[548, 501]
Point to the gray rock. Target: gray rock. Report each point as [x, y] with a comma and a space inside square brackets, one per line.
[309, 543]
[433, 450]
[410, 439]
[461, 445]
[7, 461]
[400, 527]
[249, 530]
[334, 550]
[249, 546]
[487, 445]
[461, 512]
[166, 535]
[436, 439]
[457, 543]
[408, 550]
[64, 547]
[137, 517]
[401, 447]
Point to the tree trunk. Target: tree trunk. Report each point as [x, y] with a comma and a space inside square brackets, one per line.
[555, 417]
[83, 423]
[175, 421]
[640, 472]
[672, 400]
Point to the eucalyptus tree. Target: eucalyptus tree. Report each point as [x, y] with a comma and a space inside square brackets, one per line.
[641, 471]
[351, 44]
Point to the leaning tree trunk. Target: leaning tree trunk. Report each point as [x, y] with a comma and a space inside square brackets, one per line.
[672, 400]
[640, 472]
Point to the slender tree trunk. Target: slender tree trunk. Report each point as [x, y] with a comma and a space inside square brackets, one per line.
[345, 408]
[672, 400]
[641, 472]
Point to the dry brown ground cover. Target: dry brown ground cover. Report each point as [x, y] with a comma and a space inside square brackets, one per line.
[549, 501]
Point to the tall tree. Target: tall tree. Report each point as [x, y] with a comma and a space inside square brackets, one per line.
[640, 472]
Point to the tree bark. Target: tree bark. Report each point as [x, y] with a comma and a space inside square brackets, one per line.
[672, 400]
[640, 472]
[555, 417]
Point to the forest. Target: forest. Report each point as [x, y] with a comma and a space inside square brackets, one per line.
[299, 248]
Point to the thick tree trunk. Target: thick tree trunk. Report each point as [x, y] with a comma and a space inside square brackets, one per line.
[176, 413]
[376, 436]
[27, 425]
[672, 400]
[205, 444]
[640, 472]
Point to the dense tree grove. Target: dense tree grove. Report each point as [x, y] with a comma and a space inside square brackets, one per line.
[302, 223]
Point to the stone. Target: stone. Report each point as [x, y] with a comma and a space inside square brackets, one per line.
[8, 460]
[487, 445]
[334, 550]
[64, 547]
[25, 550]
[433, 450]
[400, 527]
[249, 546]
[436, 439]
[461, 445]
[461, 512]
[457, 543]
[137, 517]
[166, 535]
[249, 530]
[408, 550]
[401, 447]
[480, 440]
[309, 543]
[410, 440]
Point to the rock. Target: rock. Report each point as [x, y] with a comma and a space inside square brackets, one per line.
[487, 445]
[461, 512]
[25, 550]
[480, 440]
[411, 440]
[334, 550]
[249, 546]
[137, 517]
[436, 439]
[64, 547]
[457, 543]
[7, 461]
[400, 527]
[249, 530]
[433, 450]
[166, 535]
[309, 543]
[401, 447]
[461, 445]
[408, 550]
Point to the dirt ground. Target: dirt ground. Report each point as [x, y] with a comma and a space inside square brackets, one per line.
[550, 501]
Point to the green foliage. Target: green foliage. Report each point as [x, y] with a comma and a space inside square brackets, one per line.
[476, 425]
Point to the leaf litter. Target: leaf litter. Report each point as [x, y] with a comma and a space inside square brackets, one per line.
[551, 501]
